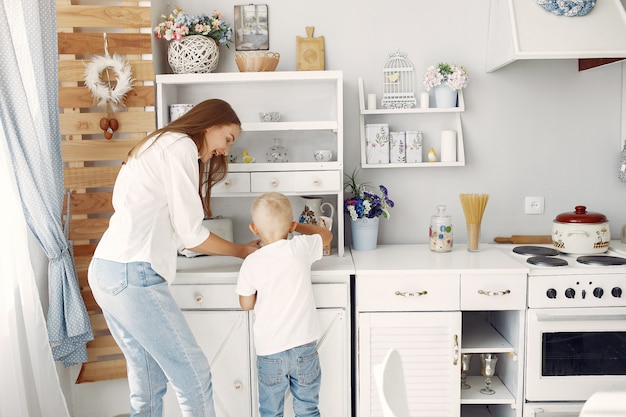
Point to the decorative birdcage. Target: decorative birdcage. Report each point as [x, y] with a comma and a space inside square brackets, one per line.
[398, 82]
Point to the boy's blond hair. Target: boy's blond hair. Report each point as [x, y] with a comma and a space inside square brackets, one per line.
[272, 213]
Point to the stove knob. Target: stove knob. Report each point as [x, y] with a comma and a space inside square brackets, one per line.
[616, 292]
[570, 293]
[551, 293]
[598, 292]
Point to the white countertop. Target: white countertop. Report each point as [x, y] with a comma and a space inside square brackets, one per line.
[416, 259]
[224, 269]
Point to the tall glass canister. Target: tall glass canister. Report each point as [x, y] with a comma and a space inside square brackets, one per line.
[440, 233]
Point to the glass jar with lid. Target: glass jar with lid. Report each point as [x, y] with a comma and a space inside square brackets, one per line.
[440, 233]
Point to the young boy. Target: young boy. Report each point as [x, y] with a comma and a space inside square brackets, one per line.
[275, 281]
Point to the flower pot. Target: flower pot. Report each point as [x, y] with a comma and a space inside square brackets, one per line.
[193, 54]
[365, 233]
[445, 96]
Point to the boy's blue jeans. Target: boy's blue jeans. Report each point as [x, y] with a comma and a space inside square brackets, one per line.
[155, 338]
[297, 369]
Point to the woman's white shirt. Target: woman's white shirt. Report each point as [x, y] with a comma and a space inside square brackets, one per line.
[157, 206]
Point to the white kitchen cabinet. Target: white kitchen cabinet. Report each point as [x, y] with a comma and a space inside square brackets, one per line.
[430, 121]
[434, 307]
[311, 108]
[205, 290]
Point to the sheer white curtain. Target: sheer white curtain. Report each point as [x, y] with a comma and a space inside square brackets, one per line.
[29, 385]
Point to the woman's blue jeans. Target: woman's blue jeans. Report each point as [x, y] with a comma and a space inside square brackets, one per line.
[155, 338]
[297, 369]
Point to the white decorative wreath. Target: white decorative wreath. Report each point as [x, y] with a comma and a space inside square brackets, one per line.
[102, 90]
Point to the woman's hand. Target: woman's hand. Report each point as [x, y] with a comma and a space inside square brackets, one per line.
[250, 247]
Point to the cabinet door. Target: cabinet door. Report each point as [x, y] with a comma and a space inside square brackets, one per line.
[333, 352]
[428, 343]
[223, 336]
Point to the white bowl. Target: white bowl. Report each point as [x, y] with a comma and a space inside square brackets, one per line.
[322, 155]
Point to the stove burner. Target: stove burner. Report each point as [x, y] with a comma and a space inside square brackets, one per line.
[601, 260]
[535, 251]
[546, 261]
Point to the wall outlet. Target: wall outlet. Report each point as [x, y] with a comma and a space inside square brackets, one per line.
[533, 205]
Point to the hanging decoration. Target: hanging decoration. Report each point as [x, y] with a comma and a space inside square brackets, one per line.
[108, 94]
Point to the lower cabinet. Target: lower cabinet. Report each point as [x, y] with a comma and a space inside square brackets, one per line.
[429, 344]
[226, 338]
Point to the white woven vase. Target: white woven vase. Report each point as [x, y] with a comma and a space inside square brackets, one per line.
[193, 54]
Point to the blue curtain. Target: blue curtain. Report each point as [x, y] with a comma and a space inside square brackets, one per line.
[30, 127]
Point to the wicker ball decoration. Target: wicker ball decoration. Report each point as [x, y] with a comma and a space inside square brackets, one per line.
[193, 54]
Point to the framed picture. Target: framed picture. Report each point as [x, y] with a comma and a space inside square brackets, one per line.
[251, 28]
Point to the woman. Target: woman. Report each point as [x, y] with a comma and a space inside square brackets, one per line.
[158, 211]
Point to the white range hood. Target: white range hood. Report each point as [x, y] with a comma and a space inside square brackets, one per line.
[521, 29]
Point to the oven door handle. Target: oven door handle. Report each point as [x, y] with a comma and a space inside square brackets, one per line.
[580, 317]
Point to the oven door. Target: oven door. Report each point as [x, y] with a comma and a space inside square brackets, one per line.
[572, 353]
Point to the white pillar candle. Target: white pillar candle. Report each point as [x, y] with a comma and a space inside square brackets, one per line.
[424, 97]
[448, 146]
[371, 101]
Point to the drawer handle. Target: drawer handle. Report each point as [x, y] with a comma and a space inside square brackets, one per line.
[238, 386]
[317, 182]
[274, 182]
[227, 183]
[199, 298]
[411, 294]
[494, 293]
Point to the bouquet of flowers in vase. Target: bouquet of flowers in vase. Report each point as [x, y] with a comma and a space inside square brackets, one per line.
[365, 202]
[455, 76]
[179, 24]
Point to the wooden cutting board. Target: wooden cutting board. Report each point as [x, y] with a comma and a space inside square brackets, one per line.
[309, 52]
[524, 239]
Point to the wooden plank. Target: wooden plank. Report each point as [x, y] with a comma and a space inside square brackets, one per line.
[75, 70]
[102, 371]
[100, 342]
[88, 203]
[139, 96]
[90, 302]
[96, 150]
[89, 123]
[84, 250]
[103, 17]
[88, 229]
[92, 43]
[98, 324]
[90, 177]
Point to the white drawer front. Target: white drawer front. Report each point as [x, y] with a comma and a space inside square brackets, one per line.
[408, 293]
[235, 182]
[493, 292]
[206, 297]
[261, 182]
[331, 295]
[317, 181]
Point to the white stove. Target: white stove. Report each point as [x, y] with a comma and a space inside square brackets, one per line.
[575, 324]
[557, 280]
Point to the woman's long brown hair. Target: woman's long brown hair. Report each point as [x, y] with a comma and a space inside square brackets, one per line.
[209, 113]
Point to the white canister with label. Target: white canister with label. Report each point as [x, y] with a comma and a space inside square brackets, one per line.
[414, 139]
[177, 110]
[397, 147]
[377, 143]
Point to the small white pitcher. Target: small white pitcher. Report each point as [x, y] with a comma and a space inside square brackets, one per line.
[313, 212]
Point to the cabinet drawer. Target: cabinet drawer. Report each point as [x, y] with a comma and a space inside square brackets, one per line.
[261, 182]
[235, 182]
[317, 181]
[206, 297]
[408, 293]
[493, 292]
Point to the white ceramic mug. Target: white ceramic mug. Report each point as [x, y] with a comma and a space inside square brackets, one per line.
[177, 110]
[322, 155]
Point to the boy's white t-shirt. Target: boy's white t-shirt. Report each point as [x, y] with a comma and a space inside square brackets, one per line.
[280, 274]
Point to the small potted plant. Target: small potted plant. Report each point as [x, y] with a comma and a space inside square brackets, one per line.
[446, 79]
[194, 40]
[365, 207]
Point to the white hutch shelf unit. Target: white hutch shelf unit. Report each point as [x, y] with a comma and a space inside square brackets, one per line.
[311, 108]
[431, 121]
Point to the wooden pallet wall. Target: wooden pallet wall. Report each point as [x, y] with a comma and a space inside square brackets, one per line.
[91, 161]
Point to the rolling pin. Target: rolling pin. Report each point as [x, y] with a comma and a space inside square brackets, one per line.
[524, 239]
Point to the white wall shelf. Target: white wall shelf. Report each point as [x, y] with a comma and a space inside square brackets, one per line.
[415, 115]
